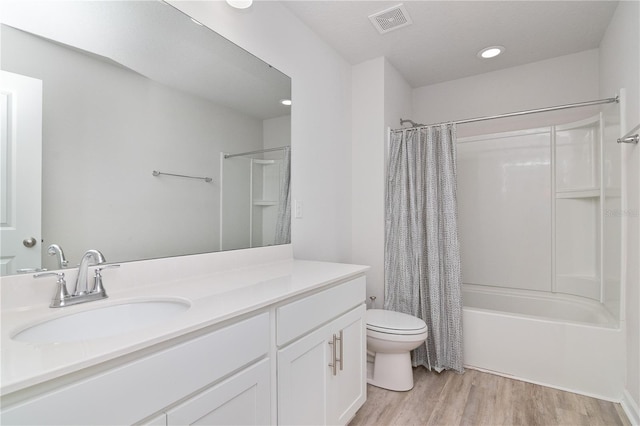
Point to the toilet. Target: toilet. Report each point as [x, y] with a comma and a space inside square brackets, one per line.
[391, 336]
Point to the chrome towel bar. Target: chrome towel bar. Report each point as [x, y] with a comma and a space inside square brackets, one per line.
[157, 173]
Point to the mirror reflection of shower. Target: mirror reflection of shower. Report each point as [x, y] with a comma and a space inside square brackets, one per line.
[255, 208]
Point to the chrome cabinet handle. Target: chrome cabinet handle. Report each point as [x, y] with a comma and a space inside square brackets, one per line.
[334, 363]
[341, 359]
[334, 356]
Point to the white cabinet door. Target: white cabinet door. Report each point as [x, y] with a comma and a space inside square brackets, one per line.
[302, 380]
[347, 390]
[308, 390]
[243, 399]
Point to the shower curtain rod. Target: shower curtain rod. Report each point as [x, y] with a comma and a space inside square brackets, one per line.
[514, 114]
[255, 152]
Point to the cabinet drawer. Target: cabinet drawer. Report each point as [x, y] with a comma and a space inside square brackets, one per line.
[301, 316]
[135, 390]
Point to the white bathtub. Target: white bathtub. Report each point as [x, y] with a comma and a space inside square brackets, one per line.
[561, 342]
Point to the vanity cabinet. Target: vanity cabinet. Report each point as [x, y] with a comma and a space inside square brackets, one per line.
[310, 392]
[300, 360]
[322, 373]
[133, 390]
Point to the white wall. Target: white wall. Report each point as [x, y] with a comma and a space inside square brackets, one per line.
[276, 132]
[367, 205]
[156, 216]
[380, 98]
[620, 68]
[397, 97]
[321, 117]
[557, 81]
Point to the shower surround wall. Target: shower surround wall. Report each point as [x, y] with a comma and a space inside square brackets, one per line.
[536, 209]
[620, 67]
[504, 209]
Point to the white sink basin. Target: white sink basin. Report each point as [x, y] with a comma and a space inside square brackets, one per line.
[102, 322]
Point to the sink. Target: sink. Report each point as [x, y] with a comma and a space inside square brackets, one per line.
[102, 322]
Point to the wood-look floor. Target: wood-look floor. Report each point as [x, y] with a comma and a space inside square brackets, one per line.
[477, 398]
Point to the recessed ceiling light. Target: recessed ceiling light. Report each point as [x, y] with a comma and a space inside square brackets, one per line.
[286, 102]
[490, 52]
[240, 4]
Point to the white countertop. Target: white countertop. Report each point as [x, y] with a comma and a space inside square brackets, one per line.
[214, 297]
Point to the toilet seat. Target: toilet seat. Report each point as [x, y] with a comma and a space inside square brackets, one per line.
[391, 322]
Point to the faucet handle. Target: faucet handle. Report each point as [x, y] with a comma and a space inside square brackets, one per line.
[97, 279]
[100, 268]
[60, 275]
[30, 270]
[61, 292]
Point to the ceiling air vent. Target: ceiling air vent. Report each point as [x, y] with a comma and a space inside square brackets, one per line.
[391, 19]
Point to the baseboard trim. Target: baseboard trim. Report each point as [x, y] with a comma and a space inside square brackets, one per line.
[630, 408]
[535, 382]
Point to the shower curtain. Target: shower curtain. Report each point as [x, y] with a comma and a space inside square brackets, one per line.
[422, 255]
[283, 221]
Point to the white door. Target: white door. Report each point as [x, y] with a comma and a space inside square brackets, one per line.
[20, 172]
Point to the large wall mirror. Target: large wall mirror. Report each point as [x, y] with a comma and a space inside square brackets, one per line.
[130, 128]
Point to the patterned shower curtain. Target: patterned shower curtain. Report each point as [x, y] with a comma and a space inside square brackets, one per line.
[283, 221]
[422, 254]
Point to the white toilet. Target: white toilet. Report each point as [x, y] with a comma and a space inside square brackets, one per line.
[391, 336]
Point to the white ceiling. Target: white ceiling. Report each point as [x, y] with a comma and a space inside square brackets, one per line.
[445, 36]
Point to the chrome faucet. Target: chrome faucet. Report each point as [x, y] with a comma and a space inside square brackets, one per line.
[81, 293]
[55, 249]
[82, 287]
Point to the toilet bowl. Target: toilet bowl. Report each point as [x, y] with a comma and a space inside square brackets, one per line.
[391, 336]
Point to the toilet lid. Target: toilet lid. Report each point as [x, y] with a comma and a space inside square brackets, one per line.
[394, 322]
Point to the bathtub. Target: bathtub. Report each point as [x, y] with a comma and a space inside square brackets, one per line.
[562, 342]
